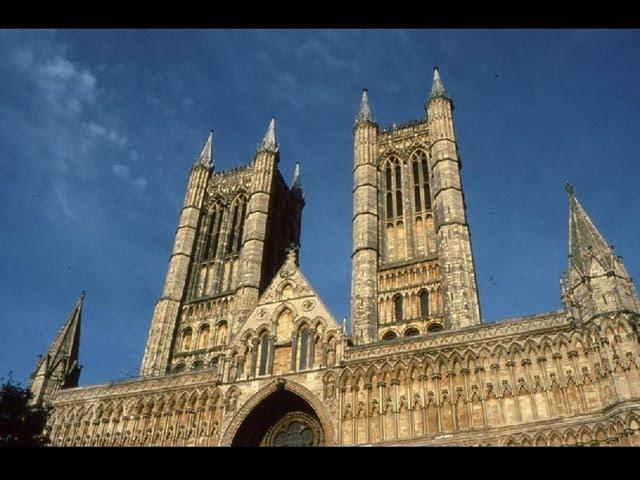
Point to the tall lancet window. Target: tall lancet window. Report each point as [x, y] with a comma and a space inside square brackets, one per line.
[388, 192]
[238, 212]
[264, 353]
[421, 192]
[424, 303]
[397, 307]
[213, 231]
[417, 199]
[398, 190]
[393, 188]
[185, 344]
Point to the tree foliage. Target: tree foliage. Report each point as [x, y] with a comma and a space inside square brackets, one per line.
[21, 424]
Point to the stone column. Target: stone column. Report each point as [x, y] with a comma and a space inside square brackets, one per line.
[294, 350]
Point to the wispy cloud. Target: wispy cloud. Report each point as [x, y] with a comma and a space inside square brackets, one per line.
[59, 106]
[123, 172]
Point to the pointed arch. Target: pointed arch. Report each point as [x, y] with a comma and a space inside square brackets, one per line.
[212, 228]
[238, 214]
[540, 440]
[418, 162]
[269, 389]
[554, 439]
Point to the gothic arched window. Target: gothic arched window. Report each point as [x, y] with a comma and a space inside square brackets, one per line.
[213, 227]
[397, 307]
[421, 192]
[185, 344]
[264, 353]
[221, 334]
[239, 210]
[388, 192]
[304, 347]
[398, 190]
[393, 188]
[203, 337]
[424, 303]
[331, 352]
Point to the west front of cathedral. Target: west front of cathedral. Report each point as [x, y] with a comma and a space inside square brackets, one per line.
[242, 352]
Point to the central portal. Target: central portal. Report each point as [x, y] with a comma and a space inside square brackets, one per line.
[283, 419]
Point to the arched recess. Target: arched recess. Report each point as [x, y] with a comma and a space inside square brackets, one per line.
[300, 398]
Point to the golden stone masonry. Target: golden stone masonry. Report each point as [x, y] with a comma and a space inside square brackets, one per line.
[242, 351]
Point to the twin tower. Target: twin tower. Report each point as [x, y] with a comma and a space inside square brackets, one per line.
[413, 269]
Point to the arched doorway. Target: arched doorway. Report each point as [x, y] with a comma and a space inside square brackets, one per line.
[282, 419]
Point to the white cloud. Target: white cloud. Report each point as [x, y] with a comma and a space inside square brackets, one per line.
[112, 136]
[61, 194]
[123, 172]
[65, 86]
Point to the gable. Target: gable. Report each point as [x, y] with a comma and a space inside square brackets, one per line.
[286, 305]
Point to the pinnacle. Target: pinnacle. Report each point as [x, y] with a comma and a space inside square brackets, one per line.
[206, 156]
[364, 114]
[268, 143]
[585, 241]
[437, 88]
[295, 183]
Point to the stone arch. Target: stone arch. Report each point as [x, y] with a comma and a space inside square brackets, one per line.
[282, 307]
[585, 436]
[540, 440]
[279, 385]
[555, 439]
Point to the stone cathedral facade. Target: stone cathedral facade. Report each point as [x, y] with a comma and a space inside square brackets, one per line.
[242, 351]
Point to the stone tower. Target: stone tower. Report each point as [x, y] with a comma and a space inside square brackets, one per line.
[412, 264]
[460, 290]
[365, 226]
[59, 367]
[232, 236]
[596, 283]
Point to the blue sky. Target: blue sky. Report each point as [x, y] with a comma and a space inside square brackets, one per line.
[98, 130]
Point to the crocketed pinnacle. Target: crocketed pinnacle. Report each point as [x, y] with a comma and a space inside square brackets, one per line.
[268, 143]
[437, 88]
[586, 243]
[206, 156]
[364, 114]
[295, 183]
[66, 346]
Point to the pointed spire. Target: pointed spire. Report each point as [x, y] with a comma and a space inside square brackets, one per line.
[437, 88]
[295, 183]
[268, 143]
[206, 156]
[59, 367]
[586, 243]
[364, 114]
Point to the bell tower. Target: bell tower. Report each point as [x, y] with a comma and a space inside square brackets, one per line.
[412, 264]
[232, 237]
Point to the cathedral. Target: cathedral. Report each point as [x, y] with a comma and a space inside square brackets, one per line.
[243, 352]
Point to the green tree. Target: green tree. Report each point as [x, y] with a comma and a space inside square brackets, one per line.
[21, 424]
